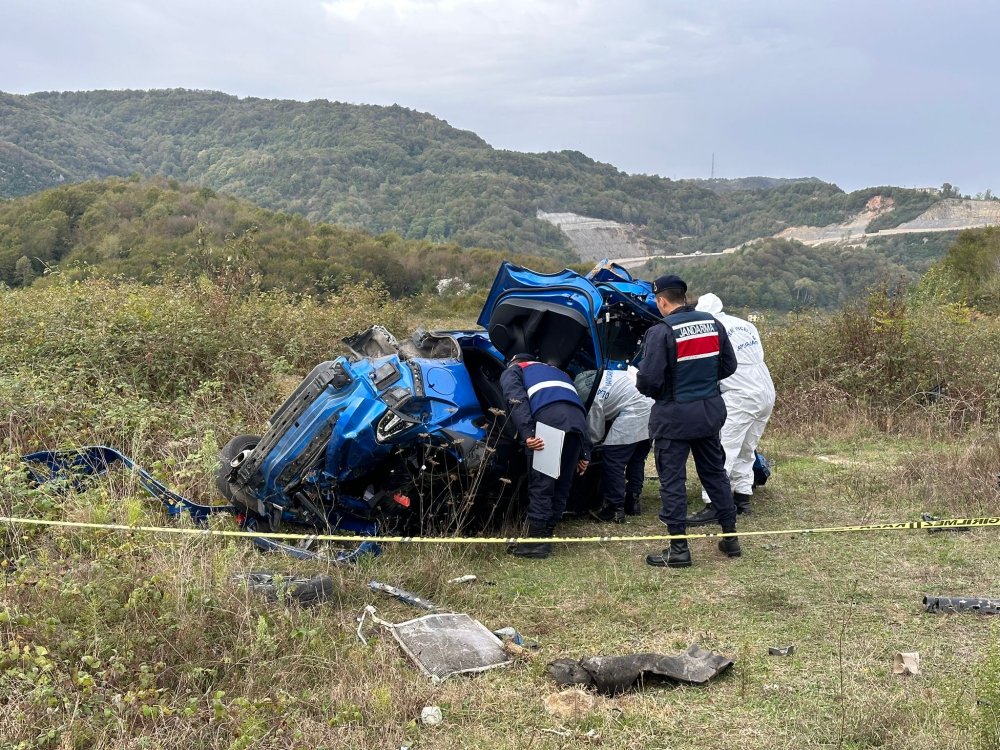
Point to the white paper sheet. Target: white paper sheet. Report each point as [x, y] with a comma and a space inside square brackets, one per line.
[547, 460]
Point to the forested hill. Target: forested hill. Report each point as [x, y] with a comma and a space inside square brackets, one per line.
[154, 229]
[383, 169]
[734, 184]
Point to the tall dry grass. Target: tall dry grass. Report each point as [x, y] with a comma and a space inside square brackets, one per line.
[892, 361]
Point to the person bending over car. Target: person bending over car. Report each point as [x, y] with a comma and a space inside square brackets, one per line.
[682, 362]
[537, 392]
[617, 403]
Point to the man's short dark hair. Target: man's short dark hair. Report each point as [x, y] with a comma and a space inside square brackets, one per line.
[674, 295]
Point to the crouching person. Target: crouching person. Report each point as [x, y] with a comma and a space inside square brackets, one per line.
[626, 444]
[536, 392]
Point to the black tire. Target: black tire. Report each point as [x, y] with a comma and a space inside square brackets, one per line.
[305, 591]
[314, 591]
[230, 451]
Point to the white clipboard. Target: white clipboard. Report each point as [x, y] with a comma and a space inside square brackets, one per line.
[549, 458]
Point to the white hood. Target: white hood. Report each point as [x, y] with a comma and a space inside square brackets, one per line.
[709, 303]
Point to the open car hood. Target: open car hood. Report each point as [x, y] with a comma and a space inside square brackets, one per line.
[550, 315]
[566, 317]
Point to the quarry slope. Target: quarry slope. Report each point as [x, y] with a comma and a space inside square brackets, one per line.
[595, 239]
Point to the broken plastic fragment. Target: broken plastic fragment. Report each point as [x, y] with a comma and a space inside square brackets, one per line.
[906, 663]
[431, 716]
[403, 596]
[957, 527]
[616, 674]
[962, 604]
[277, 587]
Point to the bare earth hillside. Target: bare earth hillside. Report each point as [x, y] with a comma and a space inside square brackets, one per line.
[594, 239]
[947, 216]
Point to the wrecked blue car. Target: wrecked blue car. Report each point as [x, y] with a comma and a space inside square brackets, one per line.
[412, 436]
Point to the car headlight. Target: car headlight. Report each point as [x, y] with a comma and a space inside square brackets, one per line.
[391, 424]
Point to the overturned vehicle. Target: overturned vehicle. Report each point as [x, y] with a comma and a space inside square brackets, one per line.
[405, 437]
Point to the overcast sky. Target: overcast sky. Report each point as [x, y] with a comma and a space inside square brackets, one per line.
[860, 93]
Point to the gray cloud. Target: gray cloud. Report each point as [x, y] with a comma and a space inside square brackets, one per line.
[858, 93]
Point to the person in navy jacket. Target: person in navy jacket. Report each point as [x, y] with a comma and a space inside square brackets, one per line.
[683, 360]
[538, 392]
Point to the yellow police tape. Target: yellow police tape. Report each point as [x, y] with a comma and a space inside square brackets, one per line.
[944, 523]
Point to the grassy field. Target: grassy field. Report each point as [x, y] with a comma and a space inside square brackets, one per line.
[110, 640]
[141, 641]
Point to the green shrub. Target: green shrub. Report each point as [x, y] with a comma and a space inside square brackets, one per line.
[127, 364]
[973, 264]
[892, 354]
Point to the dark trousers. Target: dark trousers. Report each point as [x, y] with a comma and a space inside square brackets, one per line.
[547, 496]
[624, 471]
[635, 470]
[710, 462]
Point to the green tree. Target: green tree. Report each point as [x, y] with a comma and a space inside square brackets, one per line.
[974, 262]
[805, 290]
[24, 271]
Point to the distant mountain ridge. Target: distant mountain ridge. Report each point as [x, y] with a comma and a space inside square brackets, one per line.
[387, 169]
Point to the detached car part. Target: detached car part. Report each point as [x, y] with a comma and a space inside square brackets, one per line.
[277, 586]
[74, 468]
[612, 675]
[952, 604]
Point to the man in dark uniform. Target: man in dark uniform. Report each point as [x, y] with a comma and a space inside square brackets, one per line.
[682, 363]
[537, 392]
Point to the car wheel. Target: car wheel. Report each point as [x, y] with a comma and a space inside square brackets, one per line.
[229, 451]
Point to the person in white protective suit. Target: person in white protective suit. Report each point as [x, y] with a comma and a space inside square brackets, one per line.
[626, 444]
[749, 397]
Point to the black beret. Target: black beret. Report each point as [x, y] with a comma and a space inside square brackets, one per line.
[668, 282]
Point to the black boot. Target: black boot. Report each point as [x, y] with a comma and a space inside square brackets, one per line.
[742, 503]
[609, 514]
[632, 505]
[703, 517]
[730, 546]
[677, 555]
[538, 550]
